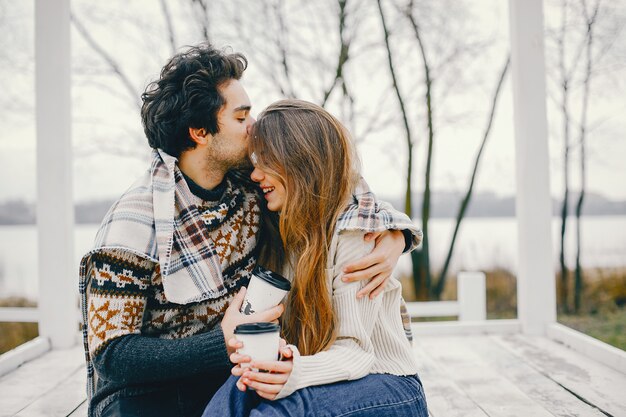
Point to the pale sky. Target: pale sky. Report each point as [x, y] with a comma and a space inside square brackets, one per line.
[99, 115]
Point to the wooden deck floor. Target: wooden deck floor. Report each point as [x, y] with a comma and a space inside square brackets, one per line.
[465, 376]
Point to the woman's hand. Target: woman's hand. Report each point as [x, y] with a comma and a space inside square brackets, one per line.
[268, 383]
[235, 357]
[379, 264]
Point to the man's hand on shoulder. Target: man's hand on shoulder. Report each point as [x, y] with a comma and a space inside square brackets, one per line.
[379, 264]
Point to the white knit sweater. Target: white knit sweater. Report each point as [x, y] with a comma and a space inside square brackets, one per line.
[370, 336]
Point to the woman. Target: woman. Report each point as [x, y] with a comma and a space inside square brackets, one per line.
[306, 166]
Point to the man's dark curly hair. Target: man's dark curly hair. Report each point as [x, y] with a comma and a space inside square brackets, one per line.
[186, 95]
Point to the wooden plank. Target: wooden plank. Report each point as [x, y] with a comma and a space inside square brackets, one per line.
[62, 400]
[36, 378]
[541, 389]
[493, 393]
[593, 382]
[444, 397]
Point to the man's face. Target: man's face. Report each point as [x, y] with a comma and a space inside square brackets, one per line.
[229, 145]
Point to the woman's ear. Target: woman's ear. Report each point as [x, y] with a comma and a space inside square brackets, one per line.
[199, 136]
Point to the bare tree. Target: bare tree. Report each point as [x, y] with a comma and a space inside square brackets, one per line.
[468, 194]
[567, 72]
[590, 19]
[421, 285]
[299, 64]
[423, 257]
[426, 286]
[565, 85]
[576, 33]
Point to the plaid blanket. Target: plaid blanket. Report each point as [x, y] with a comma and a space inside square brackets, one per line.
[142, 221]
[367, 214]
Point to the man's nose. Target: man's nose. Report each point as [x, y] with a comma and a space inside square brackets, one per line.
[249, 128]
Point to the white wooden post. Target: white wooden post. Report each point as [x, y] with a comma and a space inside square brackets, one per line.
[536, 293]
[471, 293]
[55, 213]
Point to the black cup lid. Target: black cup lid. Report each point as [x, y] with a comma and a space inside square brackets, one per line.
[257, 328]
[273, 278]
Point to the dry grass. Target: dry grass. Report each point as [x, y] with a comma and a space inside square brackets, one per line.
[14, 334]
[603, 306]
[604, 290]
[608, 326]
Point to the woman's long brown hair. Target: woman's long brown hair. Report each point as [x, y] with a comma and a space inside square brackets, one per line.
[312, 154]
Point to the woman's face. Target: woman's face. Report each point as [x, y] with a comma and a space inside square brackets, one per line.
[273, 189]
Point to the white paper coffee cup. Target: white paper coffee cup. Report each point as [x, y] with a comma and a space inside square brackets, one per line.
[265, 290]
[260, 341]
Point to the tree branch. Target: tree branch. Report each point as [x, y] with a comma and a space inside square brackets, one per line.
[115, 67]
[282, 34]
[343, 57]
[589, 21]
[203, 18]
[408, 209]
[170, 29]
[468, 195]
[429, 151]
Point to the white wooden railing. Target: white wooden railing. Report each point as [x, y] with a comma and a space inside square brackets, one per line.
[27, 315]
[19, 314]
[471, 303]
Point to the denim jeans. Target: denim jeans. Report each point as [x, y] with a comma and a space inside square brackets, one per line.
[172, 399]
[376, 395]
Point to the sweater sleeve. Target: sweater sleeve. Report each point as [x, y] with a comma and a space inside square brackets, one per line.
[138, 359]
[400, 221]
[118, 293]
[351, 356]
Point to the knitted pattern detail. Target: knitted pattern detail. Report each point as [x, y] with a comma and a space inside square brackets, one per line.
[126, 294]
[122, 291]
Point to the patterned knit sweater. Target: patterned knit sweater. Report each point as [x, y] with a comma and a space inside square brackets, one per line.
[126, 292]
[126, 297]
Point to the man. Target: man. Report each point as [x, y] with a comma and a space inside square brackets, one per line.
[161, 289]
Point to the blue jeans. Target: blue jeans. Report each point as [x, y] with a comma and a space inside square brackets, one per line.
[175, 398]
[376, 395]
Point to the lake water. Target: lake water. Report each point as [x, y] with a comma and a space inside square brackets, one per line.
[483, 243]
